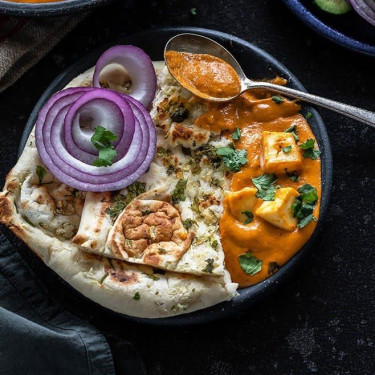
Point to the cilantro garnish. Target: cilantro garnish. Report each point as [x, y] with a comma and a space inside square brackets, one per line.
[137, 296]
[265, 185]
[293, 175]
[250, 263]
[278, 99]
[236, 135]
[41, 172]
[187, 223]
[102, 139]
[214, 244]
[287, 149]
[232, 158]
[293, 131]
[303, 206]
[210, 266]
[193, 11]
[178, 194]
[308, 115]
[249, 215]
[308, 149]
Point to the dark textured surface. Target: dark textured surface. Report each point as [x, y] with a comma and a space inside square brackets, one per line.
[322, 319]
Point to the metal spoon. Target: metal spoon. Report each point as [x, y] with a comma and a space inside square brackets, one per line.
[194, 43]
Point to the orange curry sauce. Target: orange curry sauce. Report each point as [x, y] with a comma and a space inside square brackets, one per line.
[254, 112]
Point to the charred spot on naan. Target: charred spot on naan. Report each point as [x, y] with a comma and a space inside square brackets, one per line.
[150, 230]
[123, 277]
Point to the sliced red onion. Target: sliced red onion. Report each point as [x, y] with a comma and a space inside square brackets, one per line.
[139, 67]
[365, 8]
[136, 145]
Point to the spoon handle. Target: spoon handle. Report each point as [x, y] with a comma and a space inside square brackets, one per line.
[359, 114]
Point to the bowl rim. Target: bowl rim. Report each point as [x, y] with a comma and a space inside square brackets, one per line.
[54, 8]
[315, 24]
[247, 296]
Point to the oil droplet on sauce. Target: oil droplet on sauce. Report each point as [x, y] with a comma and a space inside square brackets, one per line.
[204, 75]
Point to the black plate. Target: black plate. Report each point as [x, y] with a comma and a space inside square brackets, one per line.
[48, 9]
[257, 64]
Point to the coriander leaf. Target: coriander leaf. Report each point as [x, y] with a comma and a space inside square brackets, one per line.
[308, 149]
[236, 135]
[214, 244]
[41, 172]
[306, 220]
[210, 266]
[102, 139]
[308, 115]
[265, 185]
[278, 99]
[249, 215]
[232, 158]
[308, 193]
[303, 206]
[293, 175]
[187, 223]
[287, 149]
[137, 296]
[250, 263]
[193, 11]
[293, 131]
[178, 194]
[106, 157]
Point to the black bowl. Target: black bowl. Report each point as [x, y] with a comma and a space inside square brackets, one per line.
[57, 8]
[257, 64]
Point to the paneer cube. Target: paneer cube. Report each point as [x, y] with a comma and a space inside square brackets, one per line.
[280, 152]
[240, 201]
[279, 212]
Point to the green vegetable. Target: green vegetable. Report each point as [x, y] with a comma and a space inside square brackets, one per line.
[333, 6]
[102, 139]
[214, 244]
[193, 11]
[137, 296]
[187, 223]
[162, 250]
[287, 149]
[41, 172]
[303, 206]
[250, 263]
[178, 194]
[232, 158]
[210, 266]
[265, 185]
[308, 115]
[308, 149]
[121, 201]
[236, 135]
[278, 99]
[293, 131]
[249, 215]
[293, 175]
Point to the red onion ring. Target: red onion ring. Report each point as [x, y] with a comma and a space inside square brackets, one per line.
[365, 8]
[139, 67]
[51, 130]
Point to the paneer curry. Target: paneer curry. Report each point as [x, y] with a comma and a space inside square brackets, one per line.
[273, 203]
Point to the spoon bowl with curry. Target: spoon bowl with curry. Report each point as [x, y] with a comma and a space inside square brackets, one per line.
[210, 71]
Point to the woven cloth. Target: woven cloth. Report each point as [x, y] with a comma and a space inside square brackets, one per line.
[24, 41]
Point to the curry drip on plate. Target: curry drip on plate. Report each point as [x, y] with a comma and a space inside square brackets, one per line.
[249, 115]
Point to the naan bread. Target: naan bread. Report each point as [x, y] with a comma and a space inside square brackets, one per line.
[48, 216]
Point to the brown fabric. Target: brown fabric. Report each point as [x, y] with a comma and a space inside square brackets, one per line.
[24, 41]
